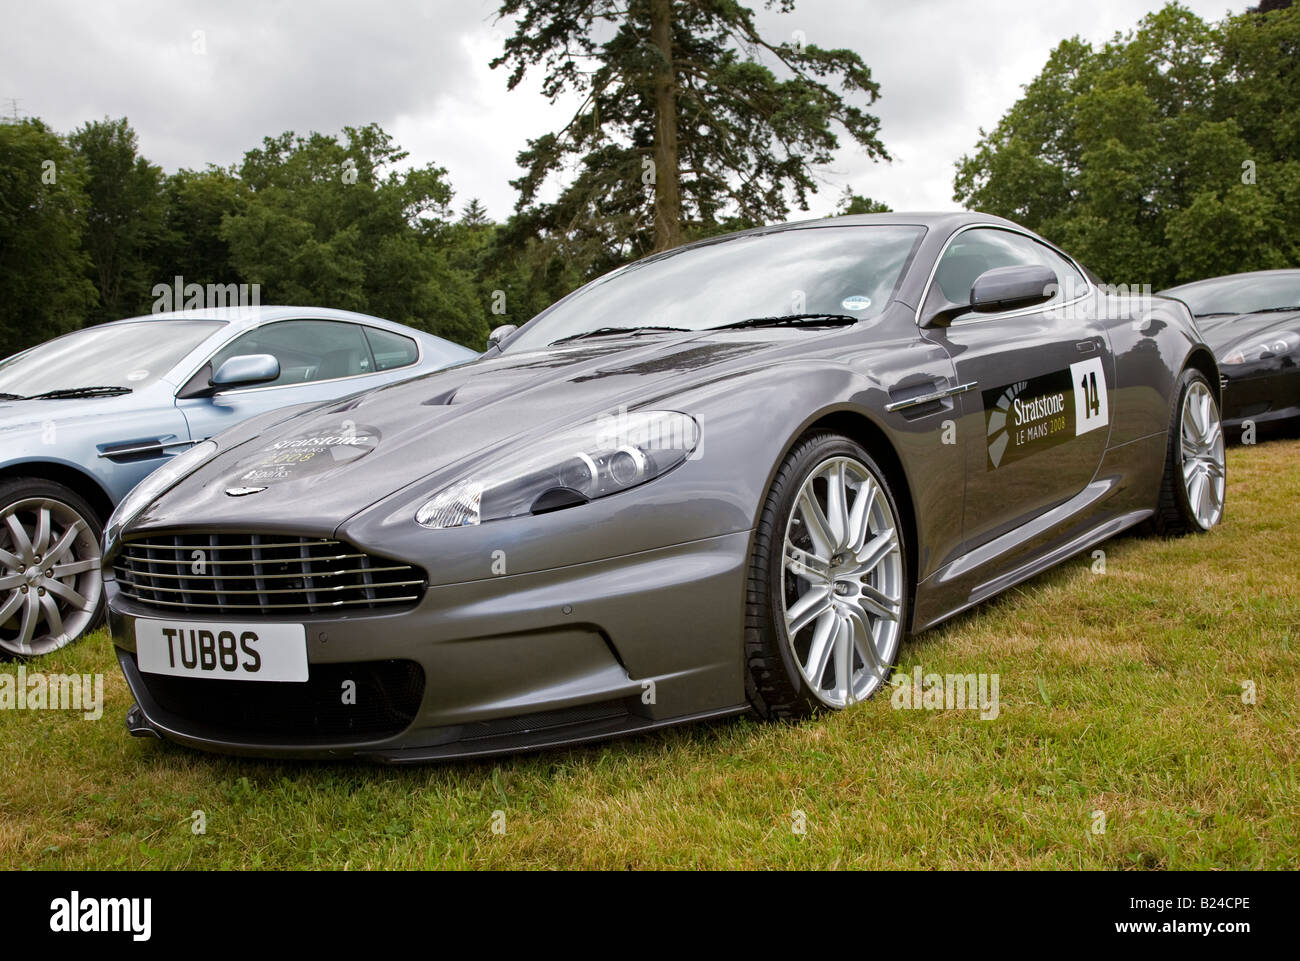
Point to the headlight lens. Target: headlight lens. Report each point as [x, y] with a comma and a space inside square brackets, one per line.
[154, 486]
[578, 465]
[1270, 346]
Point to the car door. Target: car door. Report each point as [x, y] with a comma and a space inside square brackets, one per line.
[1037, 383]
[319, 361]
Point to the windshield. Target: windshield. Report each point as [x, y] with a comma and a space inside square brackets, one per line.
[1241, 295]
[850, 271]
[117, 355]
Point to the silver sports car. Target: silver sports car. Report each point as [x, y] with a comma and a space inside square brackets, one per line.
[727, 478]
[87, 416]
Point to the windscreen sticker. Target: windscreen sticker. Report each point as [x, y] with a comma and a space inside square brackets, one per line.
[856, 303]
[1034, 415]
[293, 458]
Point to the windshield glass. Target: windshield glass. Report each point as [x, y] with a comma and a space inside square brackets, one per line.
[117, 355]
[850, 270]
[1241, 295]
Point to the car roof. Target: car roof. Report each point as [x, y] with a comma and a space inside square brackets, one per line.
[246, 317]
[1241, 276]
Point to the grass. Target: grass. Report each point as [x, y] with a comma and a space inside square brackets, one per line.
[1120, 693]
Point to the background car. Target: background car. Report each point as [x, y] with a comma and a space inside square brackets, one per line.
[1252, 321]
[87, 416]
[726, 478]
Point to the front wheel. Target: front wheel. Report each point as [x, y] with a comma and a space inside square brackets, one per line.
[50, 587]
[827, 597]
[1195, 480]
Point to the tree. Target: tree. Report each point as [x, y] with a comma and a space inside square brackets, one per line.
[1164, 156]
[852, 203]
[124, 217]
[191, 245]
[43, 268]
[337, 224]
[682, 129]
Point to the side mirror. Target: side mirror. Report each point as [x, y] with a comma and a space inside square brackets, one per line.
[500, 333]
[1006, 288]
[245, 370]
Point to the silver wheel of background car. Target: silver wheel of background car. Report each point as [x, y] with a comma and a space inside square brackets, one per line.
[50, 584]
[1201, 436]
[843, 582]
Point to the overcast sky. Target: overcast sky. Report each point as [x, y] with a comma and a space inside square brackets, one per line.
[420, 69]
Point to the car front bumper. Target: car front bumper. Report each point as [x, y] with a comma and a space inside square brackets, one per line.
[500, 664]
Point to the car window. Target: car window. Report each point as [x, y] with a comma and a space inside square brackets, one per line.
[130, 355]
[850, 270]
[975, 251]
[308, 350]
[391, 350]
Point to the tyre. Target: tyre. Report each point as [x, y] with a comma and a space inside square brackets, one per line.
[827, 593]
[1195, 479]
[50, 587]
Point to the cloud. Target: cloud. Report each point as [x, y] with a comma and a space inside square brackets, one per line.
[419, 69]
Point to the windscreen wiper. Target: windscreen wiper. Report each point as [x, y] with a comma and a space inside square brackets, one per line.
[792, 320]
[67, 392]
[1273, 310]
[12, 397]
[610, 332]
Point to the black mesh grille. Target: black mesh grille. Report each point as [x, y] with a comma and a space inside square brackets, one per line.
[275, 574]
[388, 695]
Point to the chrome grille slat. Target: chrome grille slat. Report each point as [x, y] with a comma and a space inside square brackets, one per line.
[323, 605]
[239, 593]
[271, 577]
[187, 563]
[251, 572]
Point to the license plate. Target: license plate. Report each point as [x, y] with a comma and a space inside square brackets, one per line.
[235, 652]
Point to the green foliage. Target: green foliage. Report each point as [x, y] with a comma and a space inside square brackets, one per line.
[744, 140]
[332, 223]
[124, 216]
[43, 269]
[1164, 156]
[852, 203]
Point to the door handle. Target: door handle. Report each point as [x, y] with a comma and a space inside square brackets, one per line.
[1085, 346]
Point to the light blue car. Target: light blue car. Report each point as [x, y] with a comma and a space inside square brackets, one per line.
[85, 417]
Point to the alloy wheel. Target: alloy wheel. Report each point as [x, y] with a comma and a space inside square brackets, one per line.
[50, 583]
[842, 582]
[1201, 435]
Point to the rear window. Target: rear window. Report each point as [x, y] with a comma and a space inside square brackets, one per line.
[391, 350]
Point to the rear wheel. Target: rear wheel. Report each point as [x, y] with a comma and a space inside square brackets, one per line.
[50, 587]
[828, 594]
[1192, 491]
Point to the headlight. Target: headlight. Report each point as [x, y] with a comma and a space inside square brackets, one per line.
[1271, 346]
[576, 466]
[154, 486]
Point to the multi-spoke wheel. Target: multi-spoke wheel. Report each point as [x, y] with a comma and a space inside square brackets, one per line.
[1192, 495]
[828, 585]
[50, 587]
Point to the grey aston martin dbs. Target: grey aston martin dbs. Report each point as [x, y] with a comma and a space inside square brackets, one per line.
[726, 478]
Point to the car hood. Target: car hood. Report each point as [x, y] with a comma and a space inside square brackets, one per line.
[18, 414]
[1224, 333]
[313, 471]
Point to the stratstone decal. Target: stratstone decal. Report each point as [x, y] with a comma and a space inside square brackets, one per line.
[301, 455]
[1034, 415]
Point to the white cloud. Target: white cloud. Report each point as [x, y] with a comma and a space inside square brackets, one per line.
[419, 69]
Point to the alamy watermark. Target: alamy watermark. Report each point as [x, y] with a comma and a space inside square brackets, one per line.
[35, 691]
[919, 691]
[179, 295]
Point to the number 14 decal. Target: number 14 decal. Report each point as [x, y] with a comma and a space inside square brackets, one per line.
[1090, 407]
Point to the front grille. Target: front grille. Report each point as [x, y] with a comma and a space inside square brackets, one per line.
[388, 695]
[273, 574]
